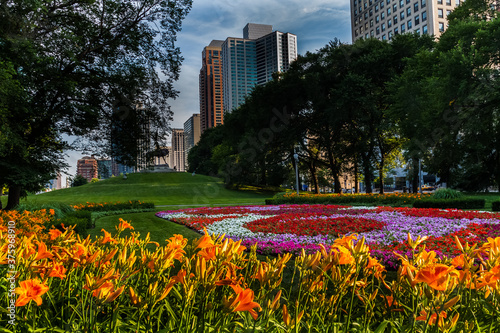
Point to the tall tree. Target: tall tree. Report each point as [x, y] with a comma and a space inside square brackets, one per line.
[72, 60]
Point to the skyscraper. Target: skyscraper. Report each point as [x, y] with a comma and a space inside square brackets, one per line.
[382, 19]
[211, 108]
[251, 60]
[233, 67]
[178, 159]
[191, 134]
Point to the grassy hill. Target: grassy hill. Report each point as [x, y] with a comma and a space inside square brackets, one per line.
[160, 188]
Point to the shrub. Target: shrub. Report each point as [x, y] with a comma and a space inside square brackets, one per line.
[356, 198]
[495, 206]
[60, 210]
[112, 206]
[466, 203]
[447, 193]
[80, 224]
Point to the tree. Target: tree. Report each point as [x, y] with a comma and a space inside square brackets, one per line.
[79, 180]
[68, 65]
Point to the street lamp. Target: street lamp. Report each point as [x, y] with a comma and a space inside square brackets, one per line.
[296, 157]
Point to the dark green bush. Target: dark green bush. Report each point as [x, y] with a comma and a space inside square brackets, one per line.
[447, 193]
[112, 206]
[80, 224]
[466, 203]
[60, 210]
[495, 206]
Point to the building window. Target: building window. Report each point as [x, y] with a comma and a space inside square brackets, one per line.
[415, 7]
[382, 5]
[371, 12]
[395, 19]
[396, 31]
[388, 1]
[448, 12]
[377, 19]
[355, 12]
[440, 13]
[383, 27]
[401, 3]
[394, 8]
[371, 23]
[408, 11]
[366, 16]
[384, 37]
[382, 15]
[424, 16]
[424, 29]
[370, 2]
[376, 8]
[417, 20]
[440, 2]
[366, 5]
[371, 33]
[402, 15]
[403, 28]
[366, 36]
[409, 24]
[417, 31]
[388, 11]
[441, 26]
[356, 33]
[423, 3]
[389, 23]
[457, 2]
[448, 2]
[390, 35]
[378, 30]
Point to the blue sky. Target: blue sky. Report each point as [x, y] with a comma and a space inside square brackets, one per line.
[315, 22]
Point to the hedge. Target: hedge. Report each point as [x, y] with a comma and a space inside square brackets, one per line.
[495, 206]
[466, 203]
[359, 198]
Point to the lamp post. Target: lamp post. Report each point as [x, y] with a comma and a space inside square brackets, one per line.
[296, 157]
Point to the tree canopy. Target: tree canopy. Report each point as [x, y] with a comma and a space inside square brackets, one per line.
[74, 66]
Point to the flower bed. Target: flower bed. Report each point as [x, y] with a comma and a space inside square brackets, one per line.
[291, 228]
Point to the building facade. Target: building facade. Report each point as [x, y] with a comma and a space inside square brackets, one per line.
[87, 168]
[382, 19]
[251, 61]
[210, 85]
[178, 155]
[104, 168]
[192, 132]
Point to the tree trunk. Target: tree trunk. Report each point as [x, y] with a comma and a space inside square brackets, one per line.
[14, 196]
[381, 174]
[314, 176]
[356, 180]
[414, 181]
[367, 173]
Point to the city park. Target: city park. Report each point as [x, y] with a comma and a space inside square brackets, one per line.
[225, 248]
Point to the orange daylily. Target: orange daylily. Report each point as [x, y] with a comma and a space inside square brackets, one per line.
[435, 275]
[205, 241]
[433, 317]
[29, 290]
[58, 270]
[54, 233]
[42, 252]
[242, 301]
[124, 225]
[107, 238]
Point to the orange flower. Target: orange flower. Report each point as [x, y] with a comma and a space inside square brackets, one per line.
[107, 293]
[205, 241]
[107, 238]
[54, 233]
[124, 225]
[42, 252]
[58, 270]
[29, 290]
[242, 301]
[433, 318]
[435, 275]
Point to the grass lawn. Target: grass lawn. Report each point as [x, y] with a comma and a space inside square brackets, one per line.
[143, 223]
[161, 188]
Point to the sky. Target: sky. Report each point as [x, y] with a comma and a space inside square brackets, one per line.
[315, 22]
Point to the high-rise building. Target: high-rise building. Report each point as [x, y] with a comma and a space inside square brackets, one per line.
[178, 158]
[191, 134]
[87, 167]
[104, 168]
[211, 97]
[233, 67]
[382, 19]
